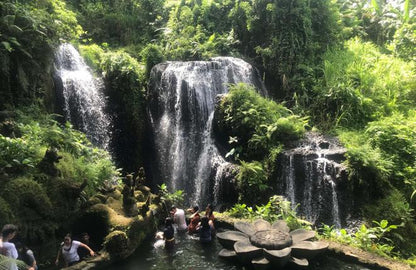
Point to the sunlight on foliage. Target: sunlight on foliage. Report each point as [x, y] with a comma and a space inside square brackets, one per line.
[257, 124]
[276, 208]
[374, 239]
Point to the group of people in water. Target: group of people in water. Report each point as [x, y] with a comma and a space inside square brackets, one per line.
[71, 251]
[201, 225]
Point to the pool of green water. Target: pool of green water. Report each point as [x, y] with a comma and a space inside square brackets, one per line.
[190, 254]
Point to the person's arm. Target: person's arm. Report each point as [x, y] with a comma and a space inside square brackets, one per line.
[1, 245]
[57, 256]
[32, 256]
[92, 253]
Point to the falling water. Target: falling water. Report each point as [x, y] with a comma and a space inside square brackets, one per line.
[83, 101]
[181, 107]
[310, 179]
[290, 182]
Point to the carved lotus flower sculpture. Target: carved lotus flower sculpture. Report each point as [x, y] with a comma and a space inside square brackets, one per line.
[266, 245]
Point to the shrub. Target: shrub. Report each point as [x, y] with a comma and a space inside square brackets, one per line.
[360, 84]
[151, 55]
[255, 124]
[6, 214]
[93, 55]
[252, 181]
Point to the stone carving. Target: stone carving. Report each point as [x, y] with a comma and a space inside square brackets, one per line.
[266, 245]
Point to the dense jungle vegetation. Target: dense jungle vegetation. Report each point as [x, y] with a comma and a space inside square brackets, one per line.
[343, 67]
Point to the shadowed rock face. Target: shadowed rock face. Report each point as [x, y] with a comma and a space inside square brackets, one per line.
[266, 245]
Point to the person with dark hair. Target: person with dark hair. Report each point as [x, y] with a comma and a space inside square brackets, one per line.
[82, 251]
[179, 218]
[205, 231]
[195, 219]
[168, 233]
[209, 213]
[69, 251]
[8, 232]
[26, 255]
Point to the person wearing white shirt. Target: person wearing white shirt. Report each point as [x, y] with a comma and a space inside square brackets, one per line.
[179, 218]
[8, 232]
[69, 251]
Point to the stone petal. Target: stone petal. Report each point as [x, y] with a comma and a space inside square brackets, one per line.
[278, 258]
[228, 238]
[308, 249]
[260, 263]
[227, 254]
[299, 263]
[281, 225]
[245, 227]
[300, 235]
[246, 251]
[261, 225]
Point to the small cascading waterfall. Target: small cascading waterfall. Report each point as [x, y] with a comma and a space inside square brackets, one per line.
[309, 177]
[82, 97]
[181, 108]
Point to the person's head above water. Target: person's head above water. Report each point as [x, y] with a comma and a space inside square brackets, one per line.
[168, 221]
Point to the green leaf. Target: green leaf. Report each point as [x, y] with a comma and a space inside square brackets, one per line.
[7, 46]
[384, 223]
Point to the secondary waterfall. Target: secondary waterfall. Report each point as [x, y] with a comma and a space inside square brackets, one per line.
[181, 107]
[82, 97]
[310, 175]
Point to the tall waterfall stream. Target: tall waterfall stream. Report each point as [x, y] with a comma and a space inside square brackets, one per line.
[182, 103]
[83, 100]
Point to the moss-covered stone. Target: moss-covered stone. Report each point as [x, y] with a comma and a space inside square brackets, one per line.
[6, 215]
[116, 244]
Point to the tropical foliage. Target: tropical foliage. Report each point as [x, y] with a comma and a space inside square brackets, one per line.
[254, 124]
[275, 209]
[374, 238]
[341, 66]
[39, 201]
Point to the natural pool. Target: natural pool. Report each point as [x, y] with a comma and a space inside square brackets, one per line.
[190, 254]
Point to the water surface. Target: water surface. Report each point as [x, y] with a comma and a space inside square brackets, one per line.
[190, 254]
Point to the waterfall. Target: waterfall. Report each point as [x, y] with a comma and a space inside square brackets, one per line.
[83, 100]
[309, 178]
[181, 107]
[290, 191]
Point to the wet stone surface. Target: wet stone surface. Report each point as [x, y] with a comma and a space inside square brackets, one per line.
[271, 239]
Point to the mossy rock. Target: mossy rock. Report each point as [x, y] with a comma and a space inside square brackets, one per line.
[29, 199]
[103, 198]
[94, 200]
[116, 194]
[95, 221]
[145, 189]
[138, 230]
[116, 244]
[140, 197]
[155, 199]
[6, 215]
[115, 204]
[32, 208]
